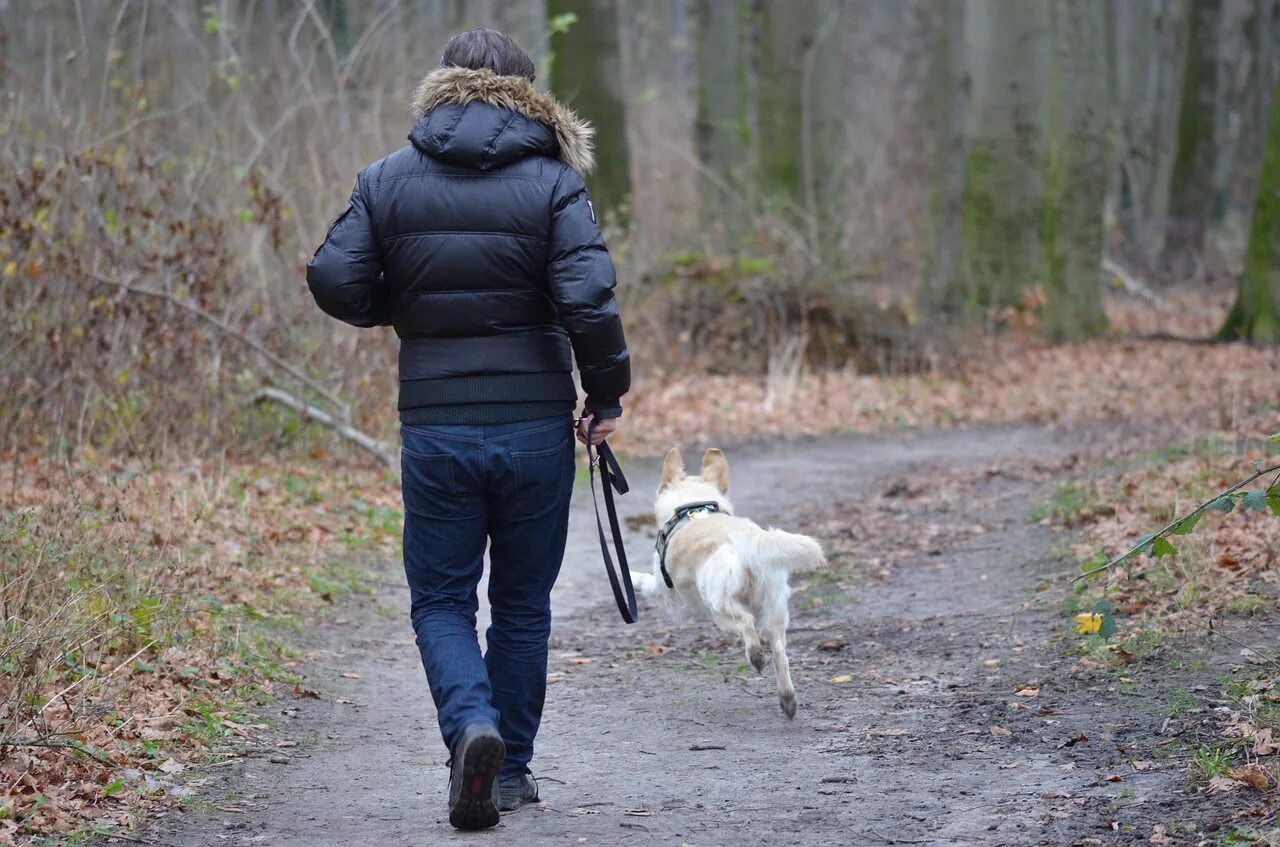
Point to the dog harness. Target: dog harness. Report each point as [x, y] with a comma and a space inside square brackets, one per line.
[684, 514]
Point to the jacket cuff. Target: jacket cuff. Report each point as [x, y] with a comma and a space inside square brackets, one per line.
[609, 407]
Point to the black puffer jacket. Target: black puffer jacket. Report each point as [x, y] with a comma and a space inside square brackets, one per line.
[478, 244]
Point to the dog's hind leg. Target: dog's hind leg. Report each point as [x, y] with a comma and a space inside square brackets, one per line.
[786, 688]
[775, 626]
[734, 617]
[720, 581]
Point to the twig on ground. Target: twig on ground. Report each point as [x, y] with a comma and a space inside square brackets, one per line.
[895, 840]
[1132, 285]
[1254, 650]
[54, 745]
[377, 448]
[67, 690]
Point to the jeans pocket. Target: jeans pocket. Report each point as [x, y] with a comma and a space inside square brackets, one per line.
[429, 485]
[544, 472]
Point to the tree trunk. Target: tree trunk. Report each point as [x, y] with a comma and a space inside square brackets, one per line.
[1148, 60]
[1077, 154]
[945, 96]
[801, 117]
[586, 72]
[1006, 52]
[1247, 78]
[1191, 190]
[335, 11]
[724, 118]
[523, 20]
[1255, 316]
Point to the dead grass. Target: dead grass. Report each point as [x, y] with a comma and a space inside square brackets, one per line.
[142, 613]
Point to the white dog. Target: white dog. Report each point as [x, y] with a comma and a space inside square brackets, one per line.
[727, 565]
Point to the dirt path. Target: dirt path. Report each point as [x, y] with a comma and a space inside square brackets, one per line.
[900, 683]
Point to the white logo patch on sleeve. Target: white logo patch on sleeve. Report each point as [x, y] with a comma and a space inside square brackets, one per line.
[592, 209]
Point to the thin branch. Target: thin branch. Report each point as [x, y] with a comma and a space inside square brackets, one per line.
[1164, 533]
[377, 448]
[53, 745]
[67, 690]
[1254, 650]
[344, 410]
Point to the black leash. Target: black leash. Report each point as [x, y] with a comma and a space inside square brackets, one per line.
[611, 479]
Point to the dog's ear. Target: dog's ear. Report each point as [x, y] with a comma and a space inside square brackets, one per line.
[672, 469]
[715, 469]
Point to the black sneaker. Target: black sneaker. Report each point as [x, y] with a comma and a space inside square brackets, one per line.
[515, 791]
[473, 779]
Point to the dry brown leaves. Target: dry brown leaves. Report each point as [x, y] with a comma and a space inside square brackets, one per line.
[1209, 387]
[195, 550]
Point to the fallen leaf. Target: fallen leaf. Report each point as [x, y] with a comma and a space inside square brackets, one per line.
[657, 649]
[1142, 766]
[580, 660]
[172, 767]
[831, 646]
[637, 813]
[841, 679]
[1115, 777]
[1223, 785]
[1009, 766]
[300, 692]
[352, 675]
[1000, 732]
[1263, 744]
[1253, 776]
[1026, 691]
[889, 732]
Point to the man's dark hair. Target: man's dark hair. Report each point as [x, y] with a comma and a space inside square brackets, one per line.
[487, 49]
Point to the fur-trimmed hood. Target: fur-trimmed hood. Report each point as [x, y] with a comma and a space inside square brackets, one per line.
[568, 137]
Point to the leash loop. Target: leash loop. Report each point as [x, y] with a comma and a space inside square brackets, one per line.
[611, 479]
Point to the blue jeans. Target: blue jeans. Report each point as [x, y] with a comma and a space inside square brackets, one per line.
[509, 484]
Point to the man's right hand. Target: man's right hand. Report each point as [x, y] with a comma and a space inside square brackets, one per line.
[603, 429]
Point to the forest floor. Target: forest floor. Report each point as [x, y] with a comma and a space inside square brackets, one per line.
[215, 649]
[945, 696]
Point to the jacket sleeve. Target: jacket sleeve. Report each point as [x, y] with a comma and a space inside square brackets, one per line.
[345, 274]
[582, 278]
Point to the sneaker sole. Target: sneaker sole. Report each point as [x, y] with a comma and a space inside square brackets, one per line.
[481, 761]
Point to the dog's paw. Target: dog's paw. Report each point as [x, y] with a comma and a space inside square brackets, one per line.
[788, 703]
[755, 655]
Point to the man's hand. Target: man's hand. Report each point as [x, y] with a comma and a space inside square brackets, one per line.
[604, 428]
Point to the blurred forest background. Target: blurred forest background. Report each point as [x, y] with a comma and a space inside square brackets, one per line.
[828, 216]
[786, 186]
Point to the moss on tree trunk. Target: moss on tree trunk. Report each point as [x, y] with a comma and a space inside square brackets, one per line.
[723, 128]
[999, 256]
[1255, 316]
[1191, 183]
[1077, 155]
[587, 72]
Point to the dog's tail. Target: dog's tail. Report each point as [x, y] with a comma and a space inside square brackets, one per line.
[791, 551]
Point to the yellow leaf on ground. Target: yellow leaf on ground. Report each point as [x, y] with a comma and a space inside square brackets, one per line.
[844, 677]
[1088, 623]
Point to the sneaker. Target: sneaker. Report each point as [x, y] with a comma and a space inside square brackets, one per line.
[473, 778]
[515, 791]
